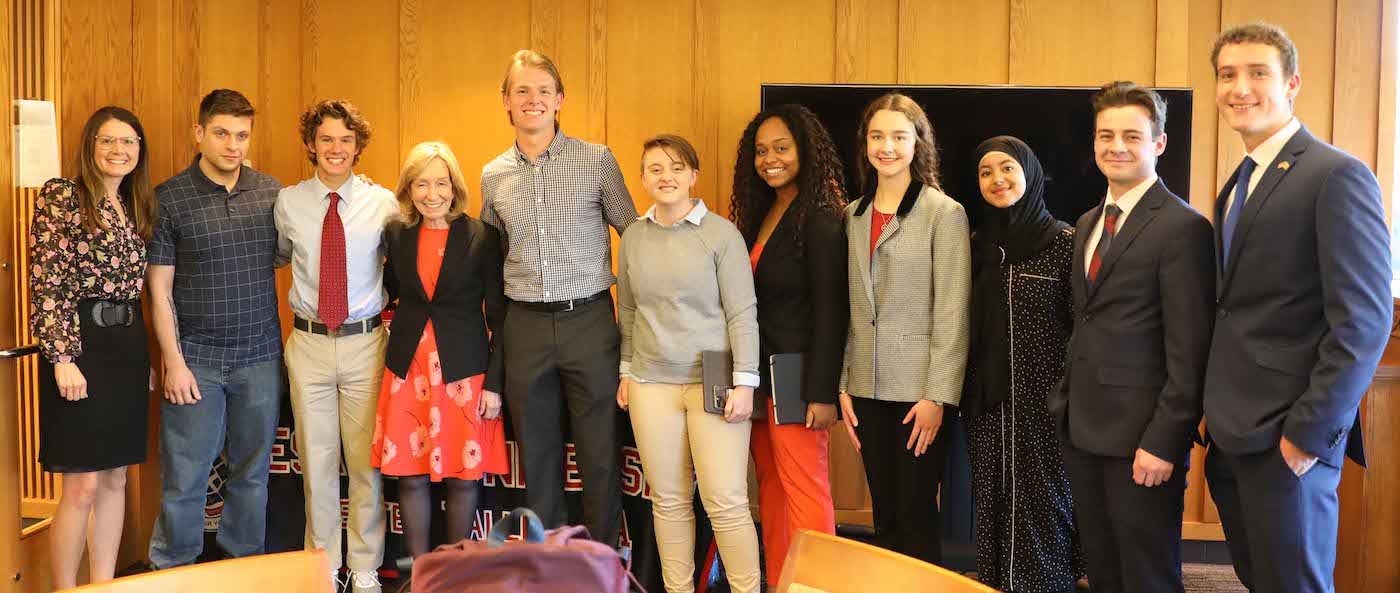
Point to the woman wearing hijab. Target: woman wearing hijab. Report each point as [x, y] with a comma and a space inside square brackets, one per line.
[1021, 322]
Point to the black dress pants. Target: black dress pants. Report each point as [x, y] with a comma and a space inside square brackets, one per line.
[557, 361]
[1130, 534]
[903, 488]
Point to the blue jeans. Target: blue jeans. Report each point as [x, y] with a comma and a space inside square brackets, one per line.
[238, 408]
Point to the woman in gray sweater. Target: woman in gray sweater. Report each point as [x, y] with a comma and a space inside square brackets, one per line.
[684, 287]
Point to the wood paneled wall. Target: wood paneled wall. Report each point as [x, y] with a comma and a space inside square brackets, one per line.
[430, 69]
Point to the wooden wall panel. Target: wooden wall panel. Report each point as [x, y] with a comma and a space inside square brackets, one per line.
[867, 41]
[279, 101]
[755, 44]
[1204, 24]
[1089, 42]
[578, 47]
[1173, 49]
[1357, 78]
[96, 61]
[954, 42]
[450, 79]
[651, 86]
[1312, 26]
[354, 55]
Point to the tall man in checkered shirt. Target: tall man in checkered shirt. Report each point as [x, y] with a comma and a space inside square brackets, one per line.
[553, 198]
[214, 306]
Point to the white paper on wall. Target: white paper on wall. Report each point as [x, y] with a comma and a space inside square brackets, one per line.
[36, 143]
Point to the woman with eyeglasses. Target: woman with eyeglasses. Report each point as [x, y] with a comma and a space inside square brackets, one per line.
[87, 251]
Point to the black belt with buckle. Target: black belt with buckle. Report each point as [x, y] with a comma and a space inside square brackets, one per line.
[349, 328]
[561, 306]
[112, 313]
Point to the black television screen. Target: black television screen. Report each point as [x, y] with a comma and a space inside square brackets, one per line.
[1057, 123]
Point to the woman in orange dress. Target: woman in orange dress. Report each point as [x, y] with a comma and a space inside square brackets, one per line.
[440, 404]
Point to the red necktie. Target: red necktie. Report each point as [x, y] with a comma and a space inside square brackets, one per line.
[1110, 225]
[332, 299]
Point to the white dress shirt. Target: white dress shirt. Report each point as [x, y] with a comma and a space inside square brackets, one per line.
[1125, 202]
[1263, 156]
[364, 211]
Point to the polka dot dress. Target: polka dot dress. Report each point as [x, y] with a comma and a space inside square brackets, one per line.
[1026, 541]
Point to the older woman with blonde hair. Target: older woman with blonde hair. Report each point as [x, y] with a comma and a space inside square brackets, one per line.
[440, 404]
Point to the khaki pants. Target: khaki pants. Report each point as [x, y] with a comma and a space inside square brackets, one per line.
[675, 437]
[335, 386]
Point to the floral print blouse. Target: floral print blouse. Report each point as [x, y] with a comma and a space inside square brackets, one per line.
[69, 265]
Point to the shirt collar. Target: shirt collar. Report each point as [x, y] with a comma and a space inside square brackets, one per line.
[1268, 150]
[697, 213]
[1130, 198]
[245, 180]
[555, 147]
[346, 191]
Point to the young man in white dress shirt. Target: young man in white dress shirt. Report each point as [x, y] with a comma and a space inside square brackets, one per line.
[330, 228]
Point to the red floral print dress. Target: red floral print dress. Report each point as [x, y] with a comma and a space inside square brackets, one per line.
[425, 426]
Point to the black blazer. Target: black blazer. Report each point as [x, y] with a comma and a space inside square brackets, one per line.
[1137, 358]
[803, 302]
[470, 276]
[1305, 306]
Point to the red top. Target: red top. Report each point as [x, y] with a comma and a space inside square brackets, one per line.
[756, 253]
[877, 228]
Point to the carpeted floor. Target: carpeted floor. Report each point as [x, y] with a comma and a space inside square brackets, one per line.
[1211, 578]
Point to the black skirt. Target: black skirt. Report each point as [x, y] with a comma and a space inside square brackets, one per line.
[107, 429]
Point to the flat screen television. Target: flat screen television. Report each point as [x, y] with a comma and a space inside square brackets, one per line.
[1057, 123]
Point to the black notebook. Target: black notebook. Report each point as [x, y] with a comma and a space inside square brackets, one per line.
[785, 377]
[717, 374]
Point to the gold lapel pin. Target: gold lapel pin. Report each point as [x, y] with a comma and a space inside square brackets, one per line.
[1284, 165]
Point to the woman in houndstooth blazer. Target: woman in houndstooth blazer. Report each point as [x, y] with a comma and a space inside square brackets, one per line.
[909, 283]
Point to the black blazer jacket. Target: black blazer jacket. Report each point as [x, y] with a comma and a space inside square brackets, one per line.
[1305, 306]
[1136, 363]
[470, 276]
[803, 302]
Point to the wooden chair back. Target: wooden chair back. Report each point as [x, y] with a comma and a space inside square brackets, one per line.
[289, 572]
[821, 563]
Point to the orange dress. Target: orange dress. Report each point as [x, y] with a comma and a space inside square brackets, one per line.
[424, 426]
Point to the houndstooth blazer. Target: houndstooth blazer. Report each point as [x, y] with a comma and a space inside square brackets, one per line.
[908, 337]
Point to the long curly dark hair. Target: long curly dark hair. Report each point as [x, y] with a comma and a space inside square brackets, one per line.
[821, 180]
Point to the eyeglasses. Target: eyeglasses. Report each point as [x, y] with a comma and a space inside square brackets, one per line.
[127, 141]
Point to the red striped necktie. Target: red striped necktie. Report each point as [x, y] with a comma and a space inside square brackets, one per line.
[1110, 226]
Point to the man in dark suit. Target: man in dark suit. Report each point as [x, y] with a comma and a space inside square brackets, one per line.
[1129, 403]
[1304, 308]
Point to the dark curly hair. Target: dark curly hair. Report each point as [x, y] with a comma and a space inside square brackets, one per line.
[821, 180]
[340, 109]
[924, 169]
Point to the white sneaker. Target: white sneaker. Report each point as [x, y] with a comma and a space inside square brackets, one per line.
[364, 581]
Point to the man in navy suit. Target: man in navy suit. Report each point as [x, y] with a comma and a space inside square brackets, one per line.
[1130, 400]
[1303, 313]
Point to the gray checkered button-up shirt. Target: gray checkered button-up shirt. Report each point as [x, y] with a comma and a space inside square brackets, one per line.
[554, 215]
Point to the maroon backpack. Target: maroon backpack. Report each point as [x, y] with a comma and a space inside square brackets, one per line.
[558, 561]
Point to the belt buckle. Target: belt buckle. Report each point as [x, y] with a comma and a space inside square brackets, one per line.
[571, 306]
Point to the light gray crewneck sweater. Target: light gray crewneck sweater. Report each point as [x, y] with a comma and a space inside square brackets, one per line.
[681, 290]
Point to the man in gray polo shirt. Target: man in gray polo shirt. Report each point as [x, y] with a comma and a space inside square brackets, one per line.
[213, 297]
[553, 198]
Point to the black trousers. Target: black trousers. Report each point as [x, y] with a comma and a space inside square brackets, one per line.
[1130, 534]
[1281, 528]
[903, 488]
[567, 360]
